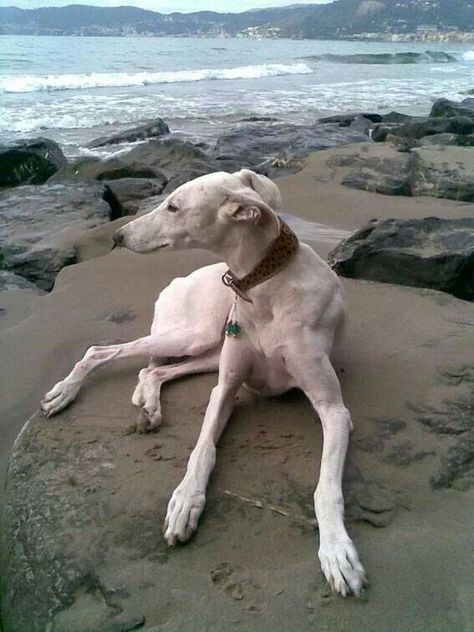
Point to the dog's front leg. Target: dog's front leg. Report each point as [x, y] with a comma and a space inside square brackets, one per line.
[188, 499]
[339, 560]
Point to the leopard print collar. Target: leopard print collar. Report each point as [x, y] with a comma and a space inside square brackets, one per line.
[277, 256]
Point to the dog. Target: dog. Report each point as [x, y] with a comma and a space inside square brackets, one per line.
[271, 335]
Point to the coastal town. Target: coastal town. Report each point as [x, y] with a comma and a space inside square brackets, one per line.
[372, 20]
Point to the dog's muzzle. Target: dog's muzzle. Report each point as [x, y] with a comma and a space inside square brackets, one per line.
[118, 238]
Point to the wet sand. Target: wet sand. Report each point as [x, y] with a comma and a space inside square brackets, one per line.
[253, 564]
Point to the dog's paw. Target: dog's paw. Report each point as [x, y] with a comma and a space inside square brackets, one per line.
[184, 510]
[147, 422]
[147, 397]
[341, 567]
[138, 393]
[62, 394]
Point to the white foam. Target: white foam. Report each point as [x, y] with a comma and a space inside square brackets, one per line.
[468, 55]
[47, 83]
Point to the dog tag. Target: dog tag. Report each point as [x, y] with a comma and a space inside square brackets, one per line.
[233, 328]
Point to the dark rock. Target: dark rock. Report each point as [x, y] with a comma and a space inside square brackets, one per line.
[259, 119]
[148, 204]
[10, 281]
[361, 124]
[346, 119]
[441, 139]
[250, 145]
[35, 222]
[380, 132]
[96, 169]
[431, 252]
[44, 147]
[130, 191]
[30, 162]
[398, 117]
[453, 125]
[179, 160]
[389, 176]
[466, 140]
[152, 129]
[447, 108]
[426, 127]
[194, 169]
[168, 155]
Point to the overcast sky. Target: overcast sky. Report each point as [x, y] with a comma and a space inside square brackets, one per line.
[164, 6]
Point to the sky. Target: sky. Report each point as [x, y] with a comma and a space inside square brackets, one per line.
[163, 6]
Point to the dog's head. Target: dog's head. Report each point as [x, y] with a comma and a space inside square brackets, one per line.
[201, 212]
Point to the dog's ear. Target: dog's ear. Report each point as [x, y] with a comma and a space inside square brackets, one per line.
[246, 205]
[262, 185]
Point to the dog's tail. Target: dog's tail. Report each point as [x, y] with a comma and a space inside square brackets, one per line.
[262, 185]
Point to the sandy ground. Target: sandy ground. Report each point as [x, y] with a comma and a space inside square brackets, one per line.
[252, 565]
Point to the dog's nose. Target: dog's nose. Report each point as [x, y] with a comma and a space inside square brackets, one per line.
[118, 238]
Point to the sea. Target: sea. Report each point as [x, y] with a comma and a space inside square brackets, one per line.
[75, 89]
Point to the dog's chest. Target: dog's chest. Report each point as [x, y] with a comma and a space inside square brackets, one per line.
[263, 335]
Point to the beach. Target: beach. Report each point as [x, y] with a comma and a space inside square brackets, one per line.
[85, 494]
[252, 565]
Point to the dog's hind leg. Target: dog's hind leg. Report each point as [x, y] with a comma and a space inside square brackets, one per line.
[148, 391]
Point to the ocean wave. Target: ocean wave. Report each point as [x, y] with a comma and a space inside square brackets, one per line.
[426, 57]
[50, 83]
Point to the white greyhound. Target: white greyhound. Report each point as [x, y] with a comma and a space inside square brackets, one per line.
[288, 323]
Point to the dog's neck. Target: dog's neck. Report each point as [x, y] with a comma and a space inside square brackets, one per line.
[245, 244]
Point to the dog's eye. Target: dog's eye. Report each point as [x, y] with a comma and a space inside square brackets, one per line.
[172, 208]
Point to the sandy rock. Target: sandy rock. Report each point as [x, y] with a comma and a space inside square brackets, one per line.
[389, 176]
[433, 253]
[446, 172]
[86, 500]
[103, 561]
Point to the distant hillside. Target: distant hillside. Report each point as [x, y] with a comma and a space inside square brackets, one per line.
[342, 18]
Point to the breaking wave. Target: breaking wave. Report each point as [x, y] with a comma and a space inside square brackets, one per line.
[50, 83]
[427, 57]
